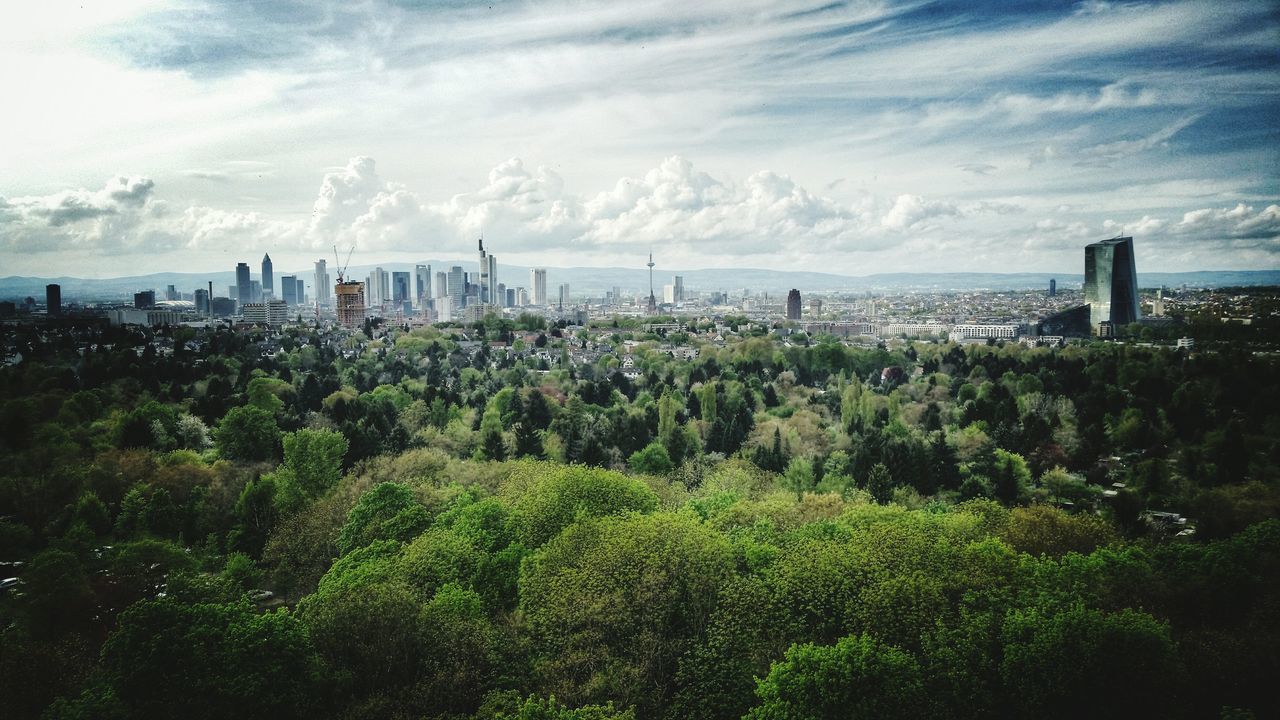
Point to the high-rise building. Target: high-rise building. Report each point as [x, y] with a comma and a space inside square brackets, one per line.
[300, 292]
[202, 301]
[171, 293]
[522, 296]
[669, 294]
[564, 295]
[488, 266]
[442, 284]
[500, 295]
[677, 285]
[255, 290]
[273, 313]
[457, 287]
[144, 299]
[1053, 287]
[400, 289]
[243, 286]
[510, 298]
[268, 279]
[793, 304]
[1111, 283]
[349, 299]
[422, 273]
[53, 299]
[538, 285]
[321, 283]
[289, 290]
[377, 288]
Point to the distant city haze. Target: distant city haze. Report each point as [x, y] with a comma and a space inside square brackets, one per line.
[149, 136]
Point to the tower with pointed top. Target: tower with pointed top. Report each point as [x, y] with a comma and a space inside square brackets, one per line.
[488, 276]
[653, 303]
[268, 281]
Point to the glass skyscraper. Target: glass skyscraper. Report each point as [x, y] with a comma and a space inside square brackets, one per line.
[1111, 283]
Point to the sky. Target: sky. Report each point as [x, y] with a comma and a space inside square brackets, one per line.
[848, 137]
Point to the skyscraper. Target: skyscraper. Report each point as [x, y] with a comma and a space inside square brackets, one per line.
[486, 263]
[53, 299]
[243, 285]
[422, 274]
[1053, 287]
[564, 295]
[350, 302]
[144, 299]
[289, 289]
[321, 283]
[677, 286]
[442, 284]
[268, 280]
[1111, 283]
[457, 287]
[793, 304]
[300, 291]
[202, 301]
[538, 285]
[400, 292]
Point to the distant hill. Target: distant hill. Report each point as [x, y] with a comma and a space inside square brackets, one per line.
[596, 281]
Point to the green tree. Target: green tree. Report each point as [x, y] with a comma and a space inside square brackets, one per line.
[855, 678]
[651, 460]
[799, 477]
[248, 433]
[880, 484]
[386, 512]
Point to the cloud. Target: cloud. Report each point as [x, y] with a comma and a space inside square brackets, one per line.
[675, 207]
[1105, 153]
[978, 168]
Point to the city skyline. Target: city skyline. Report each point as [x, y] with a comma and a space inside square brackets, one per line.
[857, 138]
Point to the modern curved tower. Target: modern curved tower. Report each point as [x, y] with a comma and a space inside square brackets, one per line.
[1111, 283]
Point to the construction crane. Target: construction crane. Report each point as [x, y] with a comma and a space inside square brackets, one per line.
[342, 266]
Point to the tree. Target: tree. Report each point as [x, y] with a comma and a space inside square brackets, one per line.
[388, 511]
[799, 476]
[248, 433]
[880, 484]
[613, 603]
[651, 460]
[492, 443]
[314, 459]
[170, 659]
[1011, 479]
[855, 678]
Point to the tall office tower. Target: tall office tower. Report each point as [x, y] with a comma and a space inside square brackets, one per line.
[321, 283]
[564, 295]
[617, 295]
[485, 290]
[457, 287]
[202, 301]
[1111, 283]
[653, 302]
[500, 294]
[400, 290]
[522, 296]
[243, 288]
[422, 274]
[300, 292]
[255, 290]
[492, 282]
[538, 285]
[793, 304]
[669, 294]
[171, 293]
[511, 297]
[442, 284]
[144, 299]
[378, 290]
[677, 283]
[289, 289]
[268, 280]
[1053, 287]
[350, 303]
[53, 299]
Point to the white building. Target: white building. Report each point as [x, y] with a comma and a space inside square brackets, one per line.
[983, 332]
[538, 285]
[273, 313]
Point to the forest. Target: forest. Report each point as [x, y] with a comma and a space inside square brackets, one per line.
[526, 521]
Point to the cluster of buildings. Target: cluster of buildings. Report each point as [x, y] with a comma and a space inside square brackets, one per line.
[1109, 300]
